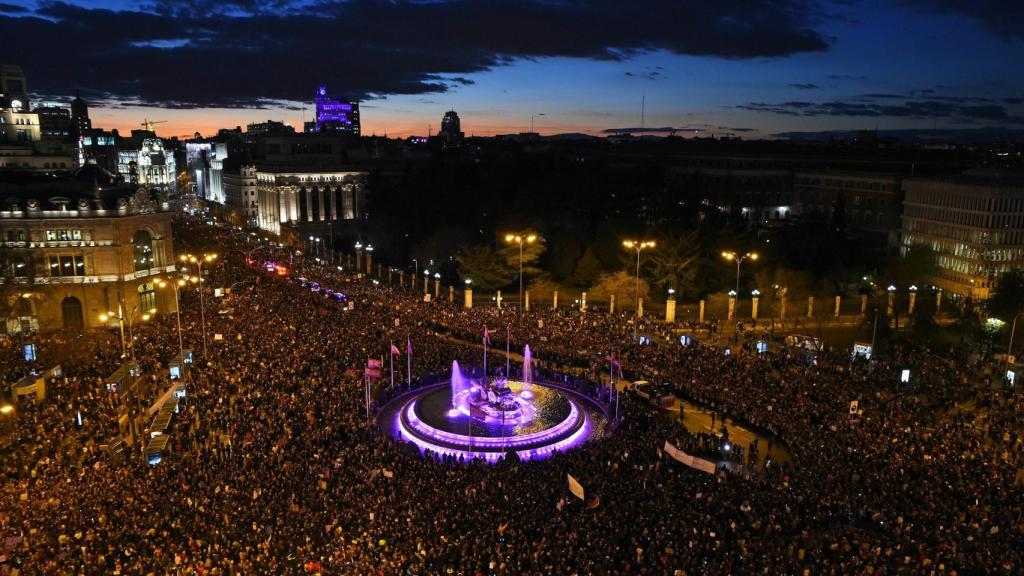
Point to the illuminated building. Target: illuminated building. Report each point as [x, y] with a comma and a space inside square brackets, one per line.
[55, 122]
[308, 199]
[975, 224]
[80, 245]
[268, 127]
[13, 88]
[143, 160]
[205, 162]
[80, 115]
[334, 114]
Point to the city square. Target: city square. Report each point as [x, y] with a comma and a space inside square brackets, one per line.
[351, 341]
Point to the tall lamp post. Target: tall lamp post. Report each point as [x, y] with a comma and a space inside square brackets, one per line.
[121, 320]
[733, 256]
[639, 246]
[199, 261]
[176, 286]
[520, 239]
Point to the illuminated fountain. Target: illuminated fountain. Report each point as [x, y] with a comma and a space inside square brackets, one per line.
[491, 417]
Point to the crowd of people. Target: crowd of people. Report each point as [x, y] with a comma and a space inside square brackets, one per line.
[273, 467]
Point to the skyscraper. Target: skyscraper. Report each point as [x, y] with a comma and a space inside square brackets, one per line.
[13, 89]
[335, 115]
[80, 114]
[451, 128]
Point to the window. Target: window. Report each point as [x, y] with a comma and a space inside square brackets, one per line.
[63, 235]
[142, 250]
[66, 266]
[147, 296]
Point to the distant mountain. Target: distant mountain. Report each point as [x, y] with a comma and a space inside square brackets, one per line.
[571, 136]
[955, 135]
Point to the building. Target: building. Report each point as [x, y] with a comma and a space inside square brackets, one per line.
[80, 115]
[143, 160]
[974, 223]
[17, 125]
[101, 146]
[205, 163]
[55, 122]
[82, 246]
[451, 128]
[307, 199]
[334, 115]
[268, 127]
[13, 88]
[240, 193]
[866, 205]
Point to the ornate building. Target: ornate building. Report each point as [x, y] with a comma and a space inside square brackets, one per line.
[77, 248]
[308, 199]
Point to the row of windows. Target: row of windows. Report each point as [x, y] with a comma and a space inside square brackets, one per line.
[61, 235]
[948, 199]
[66, 265]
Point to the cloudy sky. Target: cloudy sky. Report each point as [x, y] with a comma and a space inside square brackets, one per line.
[750, 67]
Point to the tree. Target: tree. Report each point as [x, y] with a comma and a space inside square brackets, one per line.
[1007, 298]
[914, 267]
[622, 285]
[532, 252]
[588, 269]
[675, 263]
[484, 267]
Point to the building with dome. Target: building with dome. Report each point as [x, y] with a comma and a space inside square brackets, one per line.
[76, 247]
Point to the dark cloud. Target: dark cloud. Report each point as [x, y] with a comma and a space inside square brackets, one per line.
[648, 75]
[845, 77]
[248, 52]
[12, 9]
[804, 86]
[652, 130]
[957, 111]
[1005, 18]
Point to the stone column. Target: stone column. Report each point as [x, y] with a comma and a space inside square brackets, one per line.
[554, 300]
[369, 263]
[838, 300]
[863, 304]
[640, 308]
[401, 277]
[670, 310]
[526, 303]
[938, 300]
[810, 306]
[468, 302]
[913, 300]
[701, 311]
[753, 307]
[892, 303]
[732, 307]
[499, 299]
[451, 293]
[583, 303]
[391, 275]
[611, 305]
[437, 287]
[782, 308]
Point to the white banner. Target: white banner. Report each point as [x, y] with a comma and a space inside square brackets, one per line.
[691, 461]
[575, 487]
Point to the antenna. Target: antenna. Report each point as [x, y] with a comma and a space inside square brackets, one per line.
[643, 112]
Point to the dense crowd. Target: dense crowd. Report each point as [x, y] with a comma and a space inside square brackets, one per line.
[273, 468]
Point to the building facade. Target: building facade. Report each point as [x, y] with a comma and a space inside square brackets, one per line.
[975, 225]
[75, 257]
[335, 115]
[143, 160]
[205, 164]
[308, 199]
[240, 193]
[867, 205]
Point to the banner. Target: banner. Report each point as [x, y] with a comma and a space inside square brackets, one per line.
[691, 461]
[575, 487]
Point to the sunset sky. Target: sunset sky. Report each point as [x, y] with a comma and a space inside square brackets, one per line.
[753, 68]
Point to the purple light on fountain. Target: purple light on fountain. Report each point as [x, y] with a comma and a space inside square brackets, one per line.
[527, 365]
[459, 382]
[526, 394]
[454, 412]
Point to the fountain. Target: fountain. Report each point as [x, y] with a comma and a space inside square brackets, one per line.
[486, 419]
[527, 365]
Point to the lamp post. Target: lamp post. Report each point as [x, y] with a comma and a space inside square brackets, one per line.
[119, 316]
[199, 261]
[638, 246]
[176, 286]
[733, 256]
[521, 239]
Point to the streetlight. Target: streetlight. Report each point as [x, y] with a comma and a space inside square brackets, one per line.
[638, 245]
[730, 256]
[520, 239]
[426, 281]
[129, 348]
[198, 261]
[177, 304]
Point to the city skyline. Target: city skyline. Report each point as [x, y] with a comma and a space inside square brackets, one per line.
[752, 71]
